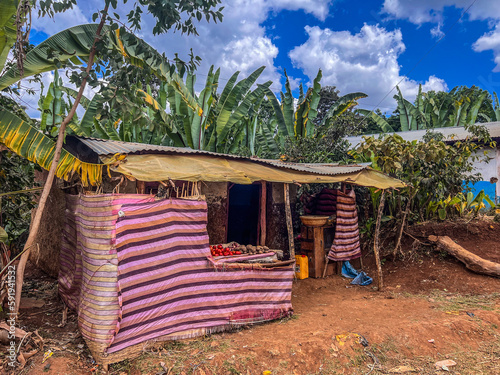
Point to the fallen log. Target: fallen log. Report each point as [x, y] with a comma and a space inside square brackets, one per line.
[472, 261]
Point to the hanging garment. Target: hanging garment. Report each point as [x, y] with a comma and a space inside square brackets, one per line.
[326, 202]
[346, 242]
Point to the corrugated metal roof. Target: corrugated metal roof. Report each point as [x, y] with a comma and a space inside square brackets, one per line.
[110, 147]
[105, 147]
[451, 133]
[317, 168]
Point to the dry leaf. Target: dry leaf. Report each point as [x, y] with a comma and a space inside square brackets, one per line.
[21, 360]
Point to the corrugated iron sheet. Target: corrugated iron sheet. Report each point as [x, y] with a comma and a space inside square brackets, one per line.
[451, 134]
[105, 147]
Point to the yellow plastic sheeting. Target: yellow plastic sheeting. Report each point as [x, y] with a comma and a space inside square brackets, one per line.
[216, 169]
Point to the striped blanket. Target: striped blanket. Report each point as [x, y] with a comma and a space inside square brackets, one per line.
[138, 270]
[167, 287]
[88, 264]
[346, 242]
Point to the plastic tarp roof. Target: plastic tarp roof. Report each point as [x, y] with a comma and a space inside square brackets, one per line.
[215, 168]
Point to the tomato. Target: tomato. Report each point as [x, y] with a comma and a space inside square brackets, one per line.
[219, 247]
[237, 252]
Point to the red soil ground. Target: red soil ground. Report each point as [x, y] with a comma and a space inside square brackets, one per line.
[427, 297]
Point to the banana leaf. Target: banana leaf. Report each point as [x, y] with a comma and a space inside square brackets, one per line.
[8, 33]
[68, 46]
[29, 143]
[384, 125]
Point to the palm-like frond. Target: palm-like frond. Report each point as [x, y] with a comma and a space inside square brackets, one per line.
[8, 34]
[69, 45]
[26, 141]
[384, 125]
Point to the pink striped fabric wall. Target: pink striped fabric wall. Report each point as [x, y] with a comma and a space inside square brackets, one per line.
[88, 263]
[169, 288]
[146, 276]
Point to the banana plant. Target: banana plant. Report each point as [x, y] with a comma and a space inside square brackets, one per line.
[494, 110]
[213, 122]
[296, 121]
[459, 107]
[342, 104]
[8, 30]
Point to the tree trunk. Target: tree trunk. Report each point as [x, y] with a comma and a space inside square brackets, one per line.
[472, 261]
[52, 172]
[380, 281]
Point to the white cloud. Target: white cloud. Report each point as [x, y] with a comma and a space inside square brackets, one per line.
[318, 8]
[490, 41]
[365, 62]
[61, 21]
[422, 11]
[238, 43]
[419, 12]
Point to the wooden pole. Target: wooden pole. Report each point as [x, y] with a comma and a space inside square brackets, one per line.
[141, 187]
[35, 225]
[263, 206]
[289, 225]
[380, 281]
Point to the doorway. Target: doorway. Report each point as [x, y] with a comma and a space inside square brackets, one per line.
[243, 214]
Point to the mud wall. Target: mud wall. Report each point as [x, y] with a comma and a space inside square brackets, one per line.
[217, 201]
[45, 253]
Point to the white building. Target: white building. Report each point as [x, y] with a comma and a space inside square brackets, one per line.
[490, 172]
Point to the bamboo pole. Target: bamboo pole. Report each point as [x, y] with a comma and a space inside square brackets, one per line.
[289, 225]
[263, 206]
[376, 251]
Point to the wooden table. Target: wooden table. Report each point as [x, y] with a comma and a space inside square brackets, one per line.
[315, 243]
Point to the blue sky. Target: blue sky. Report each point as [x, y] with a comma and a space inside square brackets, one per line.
[366, 46]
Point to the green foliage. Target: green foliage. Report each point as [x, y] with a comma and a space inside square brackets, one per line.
[8, 30]
[329, 146]
[462, 106]
[435, 170]
[16, 173]
[168, 14]
[461, 205]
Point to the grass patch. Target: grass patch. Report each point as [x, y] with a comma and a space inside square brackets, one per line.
[461, 302]
[184, 356]
[454, 301]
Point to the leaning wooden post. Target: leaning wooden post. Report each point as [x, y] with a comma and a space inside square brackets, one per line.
[289, 225]
[263, 206]
[376, 236]
[35, 224]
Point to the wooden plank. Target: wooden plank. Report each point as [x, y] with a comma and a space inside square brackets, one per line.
[289, 224]
[141, 187]
[307, 245]
[319, 251]
[263, 206]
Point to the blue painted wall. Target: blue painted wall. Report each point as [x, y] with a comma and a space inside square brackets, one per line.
[488, 187]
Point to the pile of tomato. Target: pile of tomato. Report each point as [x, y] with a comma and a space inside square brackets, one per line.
[219, 250]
